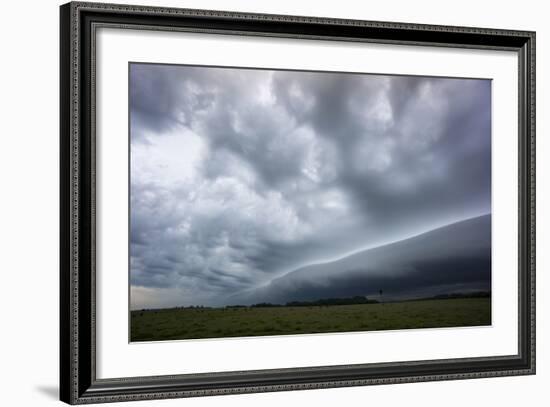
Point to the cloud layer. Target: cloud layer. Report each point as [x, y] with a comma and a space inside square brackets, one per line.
[239, 176]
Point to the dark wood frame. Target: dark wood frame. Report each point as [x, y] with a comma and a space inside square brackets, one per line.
[78, 382]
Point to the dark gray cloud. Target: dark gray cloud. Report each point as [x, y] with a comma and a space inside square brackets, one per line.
[454, 258]
[240, 176]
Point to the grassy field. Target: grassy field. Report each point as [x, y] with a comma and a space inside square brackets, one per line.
[186, 323]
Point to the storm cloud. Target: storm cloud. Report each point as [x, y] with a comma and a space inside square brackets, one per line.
[240, 176]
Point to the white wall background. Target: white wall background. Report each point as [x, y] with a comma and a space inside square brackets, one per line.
[29, 203]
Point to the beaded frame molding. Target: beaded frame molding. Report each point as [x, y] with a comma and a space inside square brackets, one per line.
[78, 381]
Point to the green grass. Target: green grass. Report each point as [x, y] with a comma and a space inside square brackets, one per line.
[170, 324]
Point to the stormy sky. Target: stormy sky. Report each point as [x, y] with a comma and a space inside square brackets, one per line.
[239, 176]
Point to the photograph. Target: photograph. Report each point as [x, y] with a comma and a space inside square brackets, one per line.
[268, 202]
[275, 200]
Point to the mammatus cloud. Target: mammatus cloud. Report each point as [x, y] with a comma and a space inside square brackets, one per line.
[239, 176]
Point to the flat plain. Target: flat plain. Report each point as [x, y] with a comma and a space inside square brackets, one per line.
[199, 322]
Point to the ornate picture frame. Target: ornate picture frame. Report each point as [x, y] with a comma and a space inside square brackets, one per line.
[79, 382]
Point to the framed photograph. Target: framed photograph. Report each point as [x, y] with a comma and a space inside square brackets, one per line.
[254, 203]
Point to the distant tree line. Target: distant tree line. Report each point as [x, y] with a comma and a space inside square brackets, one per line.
[476, 294]
[321, 302]
[266, 305]
[327, 302]
[358, 299]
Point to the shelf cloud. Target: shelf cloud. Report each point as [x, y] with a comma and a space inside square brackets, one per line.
[240, 176]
